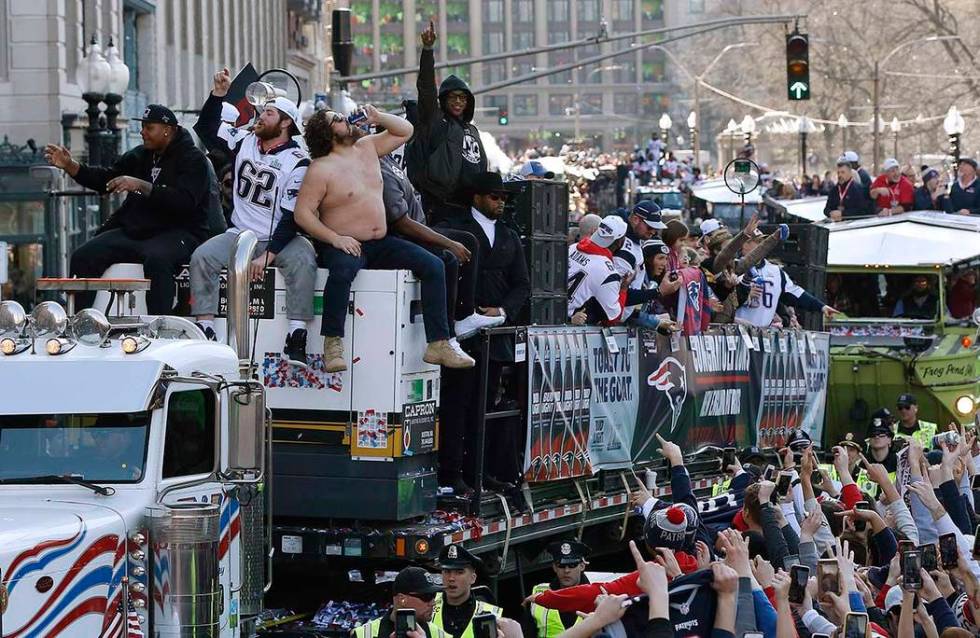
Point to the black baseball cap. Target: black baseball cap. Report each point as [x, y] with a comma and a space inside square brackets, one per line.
[415, 580]
[906, 399]
[157, 114]
[650, 212]
[568, 553]
[458, 557]
[967, 160]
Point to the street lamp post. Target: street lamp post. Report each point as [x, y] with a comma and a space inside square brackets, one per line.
[93, 79]
[954, 126]
[731, 130]
[117, 85]
[748, 128]
[665, 124]
[843, 123]
[805, 126]
[692, 127]
[876, 95]
[895, 128]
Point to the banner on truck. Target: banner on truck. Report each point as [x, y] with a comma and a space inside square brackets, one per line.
[598, 398]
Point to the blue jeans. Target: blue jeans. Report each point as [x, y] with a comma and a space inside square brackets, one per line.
[387, 253]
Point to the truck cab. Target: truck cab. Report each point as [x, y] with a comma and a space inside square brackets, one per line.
[132, 476]
[892, 278]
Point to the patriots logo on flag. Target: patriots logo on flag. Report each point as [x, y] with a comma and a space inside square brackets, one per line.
[670, 377]
[694, 294]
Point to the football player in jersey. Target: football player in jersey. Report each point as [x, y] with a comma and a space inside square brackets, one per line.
[766, 285]
[643, 223]
[269, 169]
[596, 290]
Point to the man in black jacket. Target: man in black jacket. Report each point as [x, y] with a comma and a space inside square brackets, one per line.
[850, 198]
[503, 287]
[964, 196]
[446, 150]
[164, 216]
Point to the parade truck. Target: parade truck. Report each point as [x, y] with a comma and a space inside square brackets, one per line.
[152, 482]
[906, 286]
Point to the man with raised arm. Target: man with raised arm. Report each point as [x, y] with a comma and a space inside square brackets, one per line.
[340, 204]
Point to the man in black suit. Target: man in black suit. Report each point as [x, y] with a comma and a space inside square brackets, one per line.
[503, 287]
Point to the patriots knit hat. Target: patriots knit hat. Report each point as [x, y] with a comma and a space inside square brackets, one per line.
[672, 528]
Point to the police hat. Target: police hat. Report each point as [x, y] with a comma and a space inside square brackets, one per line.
[750, 453]
[854, 440]
[457, 557]
[798, 440]
[880, 427]
[568, 553]
[906, 399]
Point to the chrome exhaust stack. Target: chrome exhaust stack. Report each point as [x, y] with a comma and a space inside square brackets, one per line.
[238, 295]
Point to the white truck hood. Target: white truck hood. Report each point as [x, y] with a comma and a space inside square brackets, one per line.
[61, 564]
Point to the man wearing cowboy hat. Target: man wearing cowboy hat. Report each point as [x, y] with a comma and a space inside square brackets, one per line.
[456, 607]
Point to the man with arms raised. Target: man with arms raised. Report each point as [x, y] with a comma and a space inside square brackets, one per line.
[340, 204]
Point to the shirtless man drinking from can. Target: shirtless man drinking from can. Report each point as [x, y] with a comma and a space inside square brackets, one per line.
[340, 205]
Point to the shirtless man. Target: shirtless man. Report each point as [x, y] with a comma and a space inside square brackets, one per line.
[340, 205]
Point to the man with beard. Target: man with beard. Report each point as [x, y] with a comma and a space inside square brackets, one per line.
[891, 191]
[269, 168]
[643, 223]
[569, 563]
[850, 197]
[457, 605]
[340, 204]
[414, 589]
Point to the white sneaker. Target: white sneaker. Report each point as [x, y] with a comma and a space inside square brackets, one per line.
[469, 326]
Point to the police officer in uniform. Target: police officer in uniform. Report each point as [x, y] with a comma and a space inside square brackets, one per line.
[569, 559]
[881, 449]
[456, 607]
[414, 588]
[909, 424]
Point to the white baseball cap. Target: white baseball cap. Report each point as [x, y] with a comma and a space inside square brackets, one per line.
[286, 106]
[709, 226]
[229, 113]
[851, 156]
[611, 228]
[891, 162]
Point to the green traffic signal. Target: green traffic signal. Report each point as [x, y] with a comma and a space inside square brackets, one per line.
[502, 118]
[798, 66]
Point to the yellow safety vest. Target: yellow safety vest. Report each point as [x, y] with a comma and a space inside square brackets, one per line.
[923, 435]
[481, 608]
[370, 630]
[721, 488]
[548, 621]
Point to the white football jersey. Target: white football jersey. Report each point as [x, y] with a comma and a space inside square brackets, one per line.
[592, 277]
[265, 184]
[760, 312]
[629, 259]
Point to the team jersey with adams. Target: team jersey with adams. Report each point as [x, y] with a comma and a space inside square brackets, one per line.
[593, 278]
[265, 183]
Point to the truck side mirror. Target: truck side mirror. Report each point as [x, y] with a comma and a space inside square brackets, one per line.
[247, 423]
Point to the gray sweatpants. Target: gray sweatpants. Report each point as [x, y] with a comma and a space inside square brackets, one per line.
[296, 262]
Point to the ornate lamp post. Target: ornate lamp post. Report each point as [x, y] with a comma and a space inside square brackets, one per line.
[117, 85]
[692, 127]
[895, 128]
[92, 76]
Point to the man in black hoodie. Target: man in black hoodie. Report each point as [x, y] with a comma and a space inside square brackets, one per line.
[446, 150]
[164, 216]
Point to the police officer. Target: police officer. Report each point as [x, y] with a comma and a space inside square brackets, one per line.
[909, 424]
[456, 607]
[416, 589]
[569, 559]
[881, 449]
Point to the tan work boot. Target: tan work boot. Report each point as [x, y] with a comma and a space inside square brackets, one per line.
[333, 354]
[441, 353]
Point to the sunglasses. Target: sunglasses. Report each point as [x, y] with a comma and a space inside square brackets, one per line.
[903, 406]
[494, 197]
[425, 598]
[456, 97]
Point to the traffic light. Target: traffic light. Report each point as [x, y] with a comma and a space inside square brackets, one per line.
[502, 118]
[798, 66]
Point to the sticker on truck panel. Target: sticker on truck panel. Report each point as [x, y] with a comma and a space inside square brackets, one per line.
[418, 428]
[278, 373]
[372, 430]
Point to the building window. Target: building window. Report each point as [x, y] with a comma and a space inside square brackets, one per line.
[625, 70]
[653, 10]
[523, 66]
[591, 104]
[523, 40]
[526, 105]
[494, 72]
[622, 10]
[624, 103]
[588, 11]
[493, 42]
[591, 73]
[493, 10]
[695, 6]
[495, 102]
[560, 104]
[557, 10]
[523, 12]
[557, 36]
